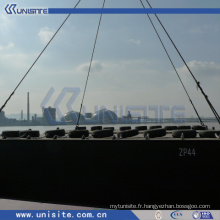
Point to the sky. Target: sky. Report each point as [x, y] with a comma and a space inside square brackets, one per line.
[130, 67]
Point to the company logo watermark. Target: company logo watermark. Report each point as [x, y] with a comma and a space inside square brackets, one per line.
[176, 214]
[12, 9]
[100, 114]
[202, 215]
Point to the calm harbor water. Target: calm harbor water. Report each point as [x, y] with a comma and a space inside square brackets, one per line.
[23, 205]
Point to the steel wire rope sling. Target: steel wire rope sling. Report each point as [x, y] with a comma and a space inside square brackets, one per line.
[197, 82]
[3, 106]
[201, 122]
[90, 65]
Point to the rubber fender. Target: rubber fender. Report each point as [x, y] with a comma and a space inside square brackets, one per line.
[102, 133]
[209, 133]
[125, 128]
[24, 134]
[109, 128]
[52, 133]
[78, 133]
[199, 127]
[186, 133]
[80, 128]
[128, 133]
[170, 128]
[157, 132]
[94, 128]
[155, 127]
[141, 128]
[184, 127]
[10, 133]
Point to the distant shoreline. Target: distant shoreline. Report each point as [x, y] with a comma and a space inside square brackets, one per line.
[148, 121]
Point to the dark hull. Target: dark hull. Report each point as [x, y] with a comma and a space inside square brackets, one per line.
[100, 173]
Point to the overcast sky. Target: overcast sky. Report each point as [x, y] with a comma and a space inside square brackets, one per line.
[130, 66]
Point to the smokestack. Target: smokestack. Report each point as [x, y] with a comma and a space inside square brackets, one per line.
[21, 115]
[28, 108]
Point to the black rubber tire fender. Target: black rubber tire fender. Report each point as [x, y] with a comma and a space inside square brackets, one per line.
[78, 133]
[155, 127]
[125, 128]
[94, 128]
[141, 128]
[102, 133]
[199, 127]
[10, 133]
[52, 133]
[25, 133]
[128, 133]
[109, 128]
[170, 128]
[181, 127]
[186, 133]
[209, 133]
[80, 128]
[157, 132]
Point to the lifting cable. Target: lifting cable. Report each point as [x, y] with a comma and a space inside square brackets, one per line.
[37, 59]
[90, 65]
[201, 122]
[197, 82]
